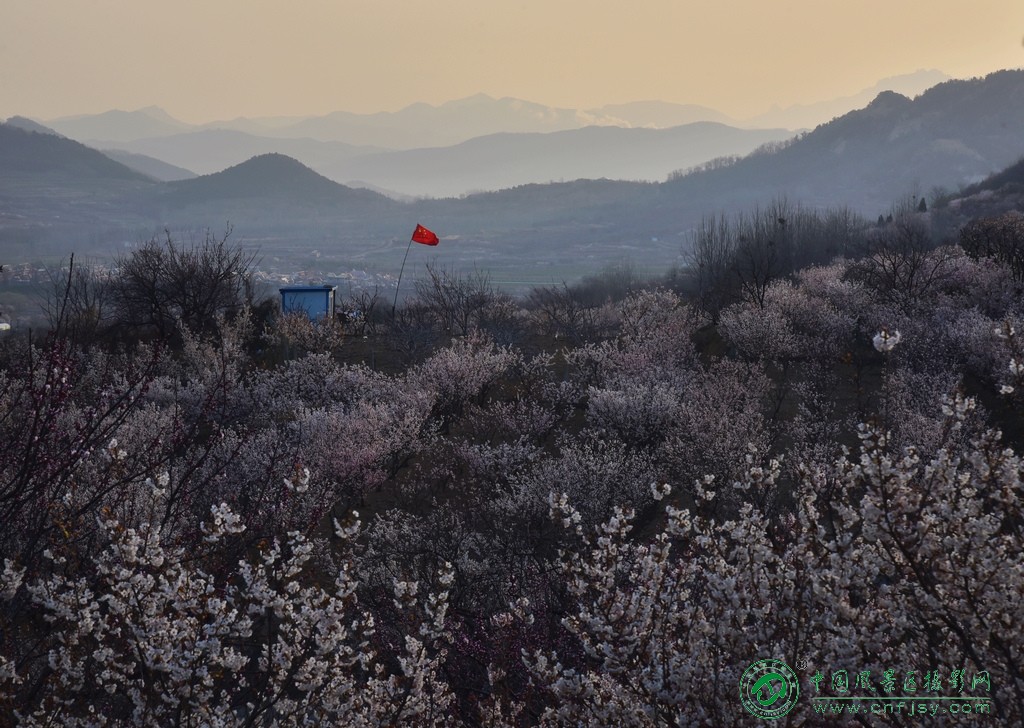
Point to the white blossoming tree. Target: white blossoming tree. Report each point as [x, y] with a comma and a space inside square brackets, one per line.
[605, 529]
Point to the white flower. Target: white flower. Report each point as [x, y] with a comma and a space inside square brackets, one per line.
[503, 619]
[886, 340]
[1006, 389]
[224, 521]
[298, 481]
[349, 531]
[660, 491]
[114, 452]
[1016, 368]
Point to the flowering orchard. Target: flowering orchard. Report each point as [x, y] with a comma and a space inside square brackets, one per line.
[593, 530]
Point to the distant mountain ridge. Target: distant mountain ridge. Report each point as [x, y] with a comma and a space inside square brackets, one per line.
[149, 166]
[272, 194]
[55, 188]
[21, 122]
[265, 176]
[36, 153]
[119, 125]
[426, 125]
[953, 134]
[206, 151]
[458, 147]
[810, 115]
[491, 162]
[505, 160]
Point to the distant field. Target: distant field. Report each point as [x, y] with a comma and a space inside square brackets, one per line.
[520, 282]
[21, 303]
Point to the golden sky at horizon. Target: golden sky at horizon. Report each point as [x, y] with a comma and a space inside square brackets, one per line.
[203, 60]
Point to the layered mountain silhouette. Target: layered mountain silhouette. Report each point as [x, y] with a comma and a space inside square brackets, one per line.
[483, 163]
[957, 133]
[118, 125]
[506, 160]
[954, 134]
[271, 193]
[811, 115]
[21, 122]
[55, 192]
[458, 147]
[211, 150]
[427, 125]
[40, 155]
[150, 166]
[268, 177]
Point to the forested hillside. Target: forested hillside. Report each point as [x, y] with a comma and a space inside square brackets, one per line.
[595, 505]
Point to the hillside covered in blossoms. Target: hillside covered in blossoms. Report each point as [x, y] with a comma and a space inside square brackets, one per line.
[598, 504]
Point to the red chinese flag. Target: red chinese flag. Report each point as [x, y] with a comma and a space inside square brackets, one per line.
[424, 236]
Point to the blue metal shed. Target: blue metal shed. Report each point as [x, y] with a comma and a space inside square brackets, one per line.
[315, 301]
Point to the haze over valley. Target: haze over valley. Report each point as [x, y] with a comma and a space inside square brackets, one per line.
[469, 145]
[529, 200]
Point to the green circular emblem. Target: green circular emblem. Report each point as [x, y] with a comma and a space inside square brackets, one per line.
[769, 689]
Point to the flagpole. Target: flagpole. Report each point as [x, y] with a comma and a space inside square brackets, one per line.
[393, 305]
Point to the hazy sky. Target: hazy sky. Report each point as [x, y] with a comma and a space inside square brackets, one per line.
[213, 59]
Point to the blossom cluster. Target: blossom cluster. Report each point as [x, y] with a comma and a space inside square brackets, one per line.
[603, 530]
